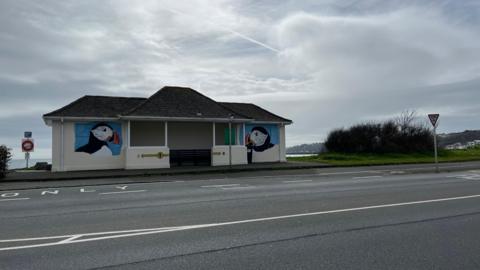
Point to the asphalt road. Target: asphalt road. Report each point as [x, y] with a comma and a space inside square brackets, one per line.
[345, 219]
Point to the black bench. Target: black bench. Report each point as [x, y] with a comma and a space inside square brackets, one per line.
[191, 157]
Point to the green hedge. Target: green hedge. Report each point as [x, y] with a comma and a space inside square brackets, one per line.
[386, 137]
[5, 157]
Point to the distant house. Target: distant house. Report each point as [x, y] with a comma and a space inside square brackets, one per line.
[176, 126]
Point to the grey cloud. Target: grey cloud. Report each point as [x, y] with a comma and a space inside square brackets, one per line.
[340, 61]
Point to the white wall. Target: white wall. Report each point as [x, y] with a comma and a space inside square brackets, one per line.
[220, 155]
[77, 161]
[181, 136]
[269, 155]
[142, 158]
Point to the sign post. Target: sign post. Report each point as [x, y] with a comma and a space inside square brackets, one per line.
[27, 145]
[434, 120]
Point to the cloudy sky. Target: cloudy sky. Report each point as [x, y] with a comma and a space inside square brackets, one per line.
[322, 63]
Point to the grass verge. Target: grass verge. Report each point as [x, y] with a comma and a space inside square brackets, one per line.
[341, 159]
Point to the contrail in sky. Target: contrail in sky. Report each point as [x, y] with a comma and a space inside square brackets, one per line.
[240, 35]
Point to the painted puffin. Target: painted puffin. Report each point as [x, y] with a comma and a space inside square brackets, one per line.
[260, 139]
[100, 135]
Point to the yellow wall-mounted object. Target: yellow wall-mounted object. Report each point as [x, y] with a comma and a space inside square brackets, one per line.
[159, 155]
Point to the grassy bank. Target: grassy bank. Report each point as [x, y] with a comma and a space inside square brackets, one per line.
[340, 159]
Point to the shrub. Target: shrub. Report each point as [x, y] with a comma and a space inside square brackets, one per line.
[5, 157]
[387, 137]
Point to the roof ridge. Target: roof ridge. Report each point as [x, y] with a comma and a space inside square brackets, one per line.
[241, 114]
[114, 97]
[270, 112]
[143, 103]
[235, 102]
[237, 107]
[193, 92]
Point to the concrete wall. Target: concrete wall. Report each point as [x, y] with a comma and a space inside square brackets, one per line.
[220, 155]
[181, 135]
[147, 133]
[147, 157]
[77, 161]
[188, 135]
[269, 155]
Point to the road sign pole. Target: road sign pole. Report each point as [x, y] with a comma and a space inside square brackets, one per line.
[435, 145]
[27, 157]
[434, 120]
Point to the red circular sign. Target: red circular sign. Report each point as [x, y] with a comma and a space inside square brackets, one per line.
[27, 146]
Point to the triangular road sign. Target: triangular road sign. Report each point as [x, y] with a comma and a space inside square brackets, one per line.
[433, 118]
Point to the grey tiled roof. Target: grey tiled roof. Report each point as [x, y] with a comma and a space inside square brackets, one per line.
[170, 101]
[255, 112]
[175, 101]
[97, 106]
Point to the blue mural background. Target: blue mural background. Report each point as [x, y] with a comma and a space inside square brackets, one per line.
[272, 130]
[82, 134]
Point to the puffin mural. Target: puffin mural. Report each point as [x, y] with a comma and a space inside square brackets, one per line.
[260, 139]
[99, 139]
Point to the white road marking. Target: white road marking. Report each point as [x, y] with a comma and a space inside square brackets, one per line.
[297, 181]
[466, 176]
[121, 192]
[14, 199]
[53, 192]
[237, 187]
[76, 238]
[71, 238]
[9, 195]
[220, 186]
[368, 177]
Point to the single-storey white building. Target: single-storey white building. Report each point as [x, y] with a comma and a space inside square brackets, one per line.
[175, 126]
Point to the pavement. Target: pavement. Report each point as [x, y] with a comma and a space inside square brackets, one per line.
[33, 175]
[43, 179]
[348, 218]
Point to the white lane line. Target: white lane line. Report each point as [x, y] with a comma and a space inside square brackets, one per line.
[368, 177]
[14, 199]
[121, 192]
[297, 181]
[191, 227]
[466, 176]
[221, 186]
[237, 187]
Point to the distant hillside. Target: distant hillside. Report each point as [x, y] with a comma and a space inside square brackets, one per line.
[459, 137]
[312, 148]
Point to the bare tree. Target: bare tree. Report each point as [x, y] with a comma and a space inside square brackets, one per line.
[406, 119]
